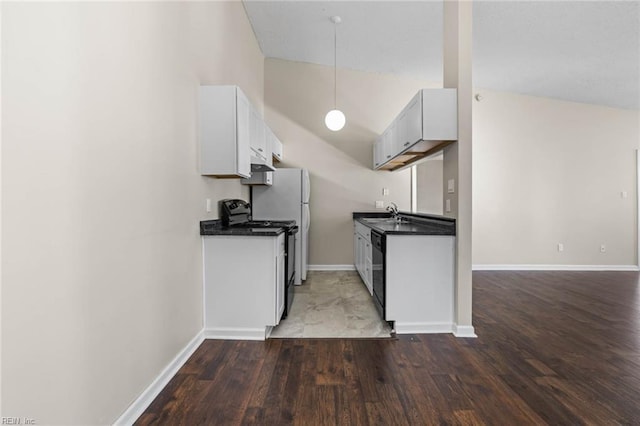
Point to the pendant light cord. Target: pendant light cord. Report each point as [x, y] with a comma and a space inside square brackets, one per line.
[335, 65]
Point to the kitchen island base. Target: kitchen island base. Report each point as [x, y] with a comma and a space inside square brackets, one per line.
[419, 277]
[412, 264]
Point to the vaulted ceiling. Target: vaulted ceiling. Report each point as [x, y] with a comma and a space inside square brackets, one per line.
[586, 51]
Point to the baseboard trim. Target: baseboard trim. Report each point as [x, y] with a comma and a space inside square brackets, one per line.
[147, 396]
[555, 268]
[229, 333]
[463, 331]
[331, 268]
[422, 327]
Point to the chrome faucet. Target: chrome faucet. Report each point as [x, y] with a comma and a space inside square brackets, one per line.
[393, 209]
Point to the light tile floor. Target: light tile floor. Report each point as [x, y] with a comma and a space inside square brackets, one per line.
[332, 304]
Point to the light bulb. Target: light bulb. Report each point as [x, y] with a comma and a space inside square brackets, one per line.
[335, 120]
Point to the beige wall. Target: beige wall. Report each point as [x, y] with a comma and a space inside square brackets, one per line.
[429, 194]
[297, 97]
[101, 195]
[548, 172]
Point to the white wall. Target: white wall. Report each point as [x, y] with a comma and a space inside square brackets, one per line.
[297, 97]
[101, 195]
[429, 192]
[548, 172]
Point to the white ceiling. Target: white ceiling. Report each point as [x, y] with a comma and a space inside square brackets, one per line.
[585, 51]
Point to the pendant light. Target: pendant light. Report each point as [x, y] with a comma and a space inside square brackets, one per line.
[335, 119]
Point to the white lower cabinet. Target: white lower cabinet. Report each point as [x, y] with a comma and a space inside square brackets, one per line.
[243, 285]
[362, 254]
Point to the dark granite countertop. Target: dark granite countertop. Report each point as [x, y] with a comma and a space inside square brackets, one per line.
[214, 227]
[412, 224]
[375, 213]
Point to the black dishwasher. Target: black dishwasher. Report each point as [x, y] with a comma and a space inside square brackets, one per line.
[378, 243]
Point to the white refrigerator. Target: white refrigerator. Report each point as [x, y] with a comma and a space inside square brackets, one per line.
[287, 199]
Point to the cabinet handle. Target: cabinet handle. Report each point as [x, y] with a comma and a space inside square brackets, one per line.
[260, 149]
[388, 156]
[406, 143]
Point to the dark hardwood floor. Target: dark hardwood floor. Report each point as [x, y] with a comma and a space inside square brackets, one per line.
[552, 348]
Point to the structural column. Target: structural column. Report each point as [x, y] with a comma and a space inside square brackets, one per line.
[457, 44]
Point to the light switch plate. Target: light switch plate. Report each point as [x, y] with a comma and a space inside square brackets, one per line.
[379, 204]
[385, 191]
[451, 186]
[208, 205]
[447, 204]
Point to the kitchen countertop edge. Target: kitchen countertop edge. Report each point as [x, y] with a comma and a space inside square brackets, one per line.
[215, 228]
[419, 224]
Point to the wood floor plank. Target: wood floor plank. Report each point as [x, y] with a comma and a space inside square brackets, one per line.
[353, 388]
[552, 348]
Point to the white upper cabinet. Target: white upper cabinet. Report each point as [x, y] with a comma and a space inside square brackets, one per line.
[426, 125]
[231, 132]
[224, 131]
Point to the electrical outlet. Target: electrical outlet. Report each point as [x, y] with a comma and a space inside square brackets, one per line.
[379, 204]
[623, 194]
[447, 205]
[603, 248]
[385, 191]
[560, 247]
[208, 208]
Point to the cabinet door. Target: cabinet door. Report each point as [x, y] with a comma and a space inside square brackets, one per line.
[378, 150]
[243, 142]
[389, 142]
[401, 143]
[368, 267]
[369, 277]
[359, 261]
[258, 144]
[356, 250]
[223, 131]
[414, 120]
[363, 269]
